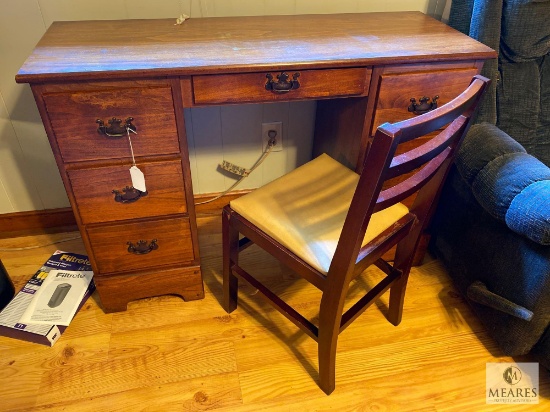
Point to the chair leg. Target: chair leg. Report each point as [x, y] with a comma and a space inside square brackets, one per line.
[329, 329]
[397, 299]
[230, 240]
[404, 256]
[327, 365]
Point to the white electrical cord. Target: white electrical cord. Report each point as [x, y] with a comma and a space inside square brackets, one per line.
[269, 146]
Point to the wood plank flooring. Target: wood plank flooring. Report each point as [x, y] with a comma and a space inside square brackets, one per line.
[164, 354]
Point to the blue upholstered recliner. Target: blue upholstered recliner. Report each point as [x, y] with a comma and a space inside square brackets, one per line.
[492, 231]
[492, 225]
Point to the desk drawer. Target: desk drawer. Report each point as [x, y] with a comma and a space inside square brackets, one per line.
[251, 87]
[73, 118]
[397, 89]
[96, 202]
[110, 244]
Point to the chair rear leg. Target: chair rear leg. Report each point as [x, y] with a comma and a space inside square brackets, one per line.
[404, 257]
[230, 240]
[397, 299]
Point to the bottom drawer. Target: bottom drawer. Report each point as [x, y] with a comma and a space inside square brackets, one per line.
[166, 242]
[115, 291]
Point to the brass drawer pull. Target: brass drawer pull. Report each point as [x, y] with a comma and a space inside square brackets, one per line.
[283, 83]
[116, 128]
[424, 106]
[142, 247]
[128, 195]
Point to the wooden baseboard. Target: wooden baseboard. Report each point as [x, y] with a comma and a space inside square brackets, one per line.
[62, 219]
[50, 220]
[217, 205]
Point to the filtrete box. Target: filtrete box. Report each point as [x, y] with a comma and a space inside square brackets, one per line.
[10, 317]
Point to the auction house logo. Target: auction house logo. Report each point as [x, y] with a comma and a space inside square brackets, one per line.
[512, 383]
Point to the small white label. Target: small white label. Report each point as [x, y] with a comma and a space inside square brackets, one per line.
[138, 179]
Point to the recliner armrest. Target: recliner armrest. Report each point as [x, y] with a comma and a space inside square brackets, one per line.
[508, 183]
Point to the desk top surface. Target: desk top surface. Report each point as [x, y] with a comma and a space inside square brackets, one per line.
[159, 47]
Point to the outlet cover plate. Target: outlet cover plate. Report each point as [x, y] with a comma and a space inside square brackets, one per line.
[277, 127]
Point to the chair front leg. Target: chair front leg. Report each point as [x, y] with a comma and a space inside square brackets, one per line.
[327, 363]
[230, 240]
[330, 315]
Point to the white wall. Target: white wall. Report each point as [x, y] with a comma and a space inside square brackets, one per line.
[29, 179]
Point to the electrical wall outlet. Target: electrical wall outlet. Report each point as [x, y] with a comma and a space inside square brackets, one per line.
[276, 127]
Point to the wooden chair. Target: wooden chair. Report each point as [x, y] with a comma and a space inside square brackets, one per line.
[328, 224]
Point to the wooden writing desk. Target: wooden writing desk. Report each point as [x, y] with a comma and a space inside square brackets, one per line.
[362, 68]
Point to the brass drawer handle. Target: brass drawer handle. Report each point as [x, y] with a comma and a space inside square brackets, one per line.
[283, 83]
[116, 128]
[142, 247]
[424, 106]
[128, 195]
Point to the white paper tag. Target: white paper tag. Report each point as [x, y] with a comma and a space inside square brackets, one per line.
[138, 179]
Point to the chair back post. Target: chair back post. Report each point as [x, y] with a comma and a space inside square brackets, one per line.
[357, 219]
[422, 207]
[363, 202]
[342, 266]
[360, 211]
[426, 200]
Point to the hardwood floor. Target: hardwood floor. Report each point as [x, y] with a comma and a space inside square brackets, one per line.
[165, 354]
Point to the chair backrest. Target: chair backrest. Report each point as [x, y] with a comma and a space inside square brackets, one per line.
[428, 165]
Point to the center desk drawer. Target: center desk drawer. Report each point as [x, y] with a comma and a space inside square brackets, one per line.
[73, 118]
[100, 192]
[165, 242]
[303, 84]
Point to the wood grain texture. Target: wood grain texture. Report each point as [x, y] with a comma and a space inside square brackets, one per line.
[167, 354]
[18, 223]
[110, 248]
[93, 164]
[116, 291]
[73, 118]
[93, 49]
[96, 203]
[63, 219]
[250, 87]
[339, 129]
[396, 90]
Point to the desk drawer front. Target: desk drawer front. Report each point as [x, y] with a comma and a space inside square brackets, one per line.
[396, 91]
[251, 87]
[169, 242]
[96, 202]
[73, 118]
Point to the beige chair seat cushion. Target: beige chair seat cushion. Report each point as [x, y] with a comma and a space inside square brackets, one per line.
[305, 210]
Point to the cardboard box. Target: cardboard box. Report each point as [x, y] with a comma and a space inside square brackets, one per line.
[11, 315]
